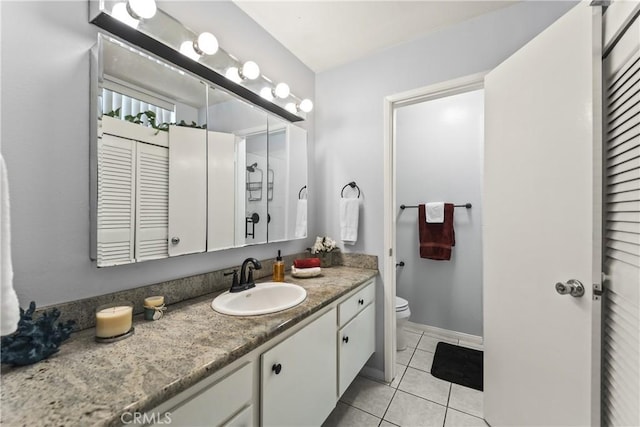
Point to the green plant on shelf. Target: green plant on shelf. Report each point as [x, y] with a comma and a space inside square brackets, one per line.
[151, 120]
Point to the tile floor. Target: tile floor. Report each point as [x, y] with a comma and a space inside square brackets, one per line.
[414, 398]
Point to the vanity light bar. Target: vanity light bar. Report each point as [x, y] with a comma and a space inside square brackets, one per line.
[132, 35]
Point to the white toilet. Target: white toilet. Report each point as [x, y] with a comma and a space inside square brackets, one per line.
[402, 316]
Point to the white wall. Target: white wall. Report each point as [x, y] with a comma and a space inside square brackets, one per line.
[349, 109]
[45, 142]
[439, 145]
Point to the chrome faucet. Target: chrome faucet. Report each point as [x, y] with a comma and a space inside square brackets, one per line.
[246, 279]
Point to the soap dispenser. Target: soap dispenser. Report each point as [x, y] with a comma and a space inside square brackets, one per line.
[278, 269]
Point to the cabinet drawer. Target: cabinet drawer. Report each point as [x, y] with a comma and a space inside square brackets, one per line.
[218, 403]
[348, 309]
[356, 343]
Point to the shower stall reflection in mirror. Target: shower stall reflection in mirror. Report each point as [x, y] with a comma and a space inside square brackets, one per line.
[433, 136]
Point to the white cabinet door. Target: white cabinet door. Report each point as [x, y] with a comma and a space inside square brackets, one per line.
[299, 376]
[187, 190]
[243, 419]
[116, 200]
[152, 202]
[356, 343]
[541, 219]
[221, 190]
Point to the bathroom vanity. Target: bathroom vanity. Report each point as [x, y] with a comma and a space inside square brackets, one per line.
[198, 367]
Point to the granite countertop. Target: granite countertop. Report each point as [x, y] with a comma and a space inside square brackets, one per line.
[87, 383]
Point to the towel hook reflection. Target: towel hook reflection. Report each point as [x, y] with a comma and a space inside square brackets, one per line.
[352, 184]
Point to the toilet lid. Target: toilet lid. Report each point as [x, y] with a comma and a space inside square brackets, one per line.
[401, 303]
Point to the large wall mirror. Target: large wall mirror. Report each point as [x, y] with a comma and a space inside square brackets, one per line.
[181, 166]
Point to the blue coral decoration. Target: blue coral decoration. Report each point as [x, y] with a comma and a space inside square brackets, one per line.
[34, 340]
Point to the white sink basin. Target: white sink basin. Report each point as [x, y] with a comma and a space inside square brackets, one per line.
[265, 298]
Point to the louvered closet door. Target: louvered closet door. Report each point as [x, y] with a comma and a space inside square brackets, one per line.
[621, 330]
[152, 200]
[116, 203]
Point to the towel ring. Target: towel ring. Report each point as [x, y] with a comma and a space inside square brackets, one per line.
[352, 184]
[300, 192]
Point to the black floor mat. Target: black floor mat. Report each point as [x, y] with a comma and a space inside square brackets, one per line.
[458, 365]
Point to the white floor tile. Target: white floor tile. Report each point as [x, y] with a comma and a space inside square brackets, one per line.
[386, 424]
[412, 338]
[410, 411]
[422, 360]
[368, 395]
[467, 400]
[425, 385]
[403, 357]
[429, 343]
[348, 416]
[400, 369]
[460, 419]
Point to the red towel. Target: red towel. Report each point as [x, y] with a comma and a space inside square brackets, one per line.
[436, 240]
[306, 263]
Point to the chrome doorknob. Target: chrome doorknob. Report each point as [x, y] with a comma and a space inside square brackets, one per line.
[572, 287]
[175, 240]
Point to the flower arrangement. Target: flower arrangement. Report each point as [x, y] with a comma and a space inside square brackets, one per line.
[323, 244]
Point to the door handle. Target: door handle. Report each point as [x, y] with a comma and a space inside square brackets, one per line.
[572, 287]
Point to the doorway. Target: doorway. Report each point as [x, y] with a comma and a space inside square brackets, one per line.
[439, 146]
[401, 230]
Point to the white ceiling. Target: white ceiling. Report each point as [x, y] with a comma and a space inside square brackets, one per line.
[326, 34]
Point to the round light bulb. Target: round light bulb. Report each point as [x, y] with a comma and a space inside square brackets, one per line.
[186, 48]
[142, 9]
[250, 70]
[119, 12]
[233, 74]
[291, 107]
[266, 93]
[206, 44]
[306, 105]
[282, 90]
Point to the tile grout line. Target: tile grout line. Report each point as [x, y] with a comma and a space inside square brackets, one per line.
[360, 409]
[395, 390]
[447, 407]
[428, 400]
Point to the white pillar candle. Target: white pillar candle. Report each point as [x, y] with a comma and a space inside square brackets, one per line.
[155, 301]
[113, 321]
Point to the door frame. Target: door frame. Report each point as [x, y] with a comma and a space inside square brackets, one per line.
[391, 103]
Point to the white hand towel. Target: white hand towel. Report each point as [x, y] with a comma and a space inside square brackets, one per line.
[10, 313]
[301, 219]
[349, 211]
[305, 272]
[435, 212]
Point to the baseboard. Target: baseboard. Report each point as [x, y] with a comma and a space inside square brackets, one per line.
[446, 333]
